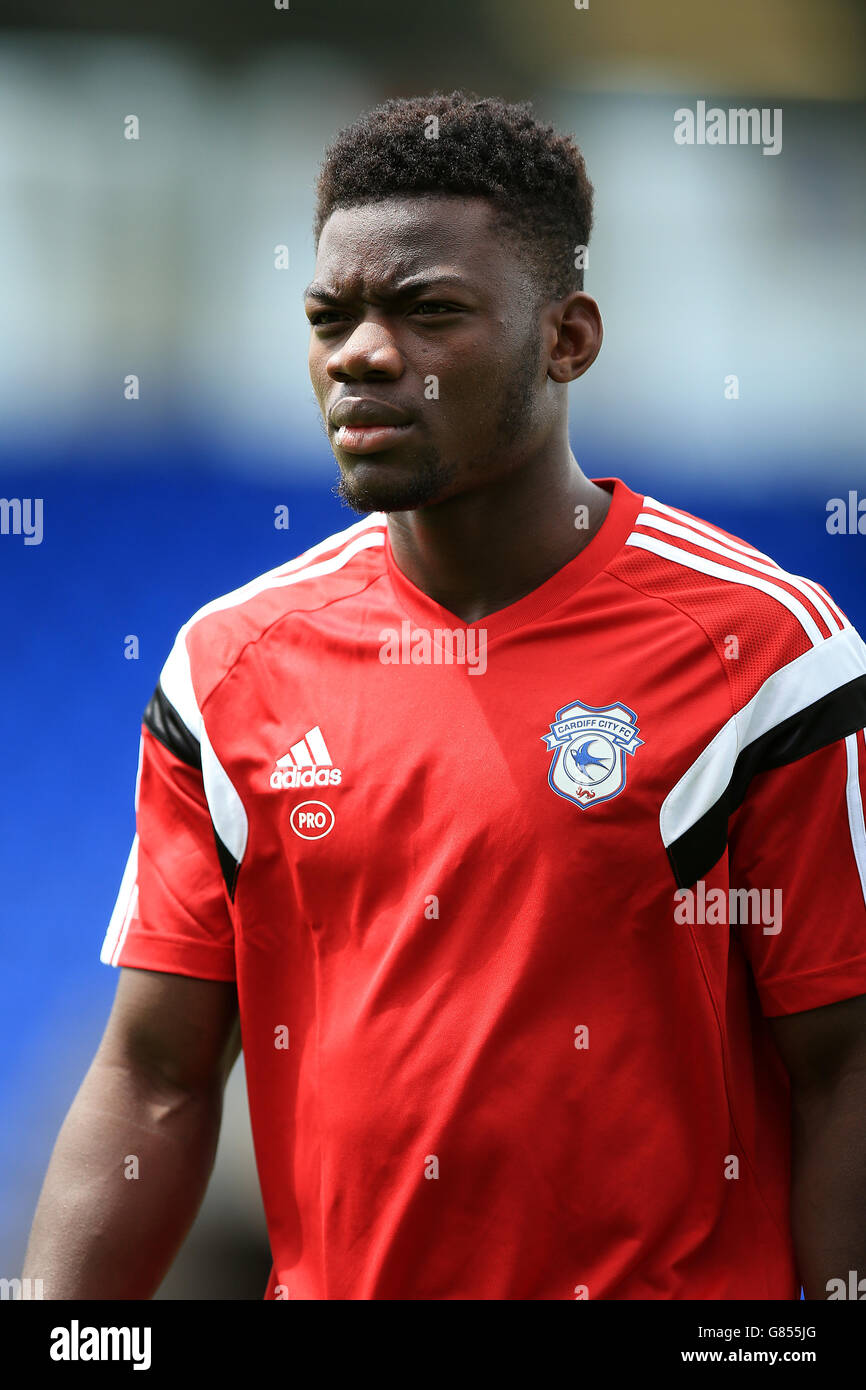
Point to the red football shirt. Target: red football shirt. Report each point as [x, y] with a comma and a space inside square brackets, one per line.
[509, 903]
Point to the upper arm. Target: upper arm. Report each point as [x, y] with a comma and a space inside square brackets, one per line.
[172, 912]
[820, 1044]
[799, 841]
[173, 1029]
[799, 838]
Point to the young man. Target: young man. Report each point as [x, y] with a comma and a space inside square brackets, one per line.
[519, 825]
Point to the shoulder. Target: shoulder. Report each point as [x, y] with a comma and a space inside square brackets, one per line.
[211, 641]
[759, 617]
[794, 666]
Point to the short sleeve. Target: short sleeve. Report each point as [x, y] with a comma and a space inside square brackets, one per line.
[173, 910]
[799, 839]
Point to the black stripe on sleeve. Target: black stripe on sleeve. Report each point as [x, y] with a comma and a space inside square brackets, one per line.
[228, 864]
[164, 722]
[833, 717]
[166, 725]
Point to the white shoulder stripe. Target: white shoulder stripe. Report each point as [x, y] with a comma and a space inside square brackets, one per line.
[707, 529]
[177, 687]
[788, 691]
[751, 581]
[672, 528]
[339, 539]
[225, 806]
[367, 539]
[138, 770]
[822, 594]
[176, 677]
[855, 809]
[751, 550]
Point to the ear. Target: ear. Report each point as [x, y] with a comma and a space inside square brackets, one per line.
[578, 329]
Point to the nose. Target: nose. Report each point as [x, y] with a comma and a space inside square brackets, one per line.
[368, 354]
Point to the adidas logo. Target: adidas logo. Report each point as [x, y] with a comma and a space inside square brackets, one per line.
[307, 764]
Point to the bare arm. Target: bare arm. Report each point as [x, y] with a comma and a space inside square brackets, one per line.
[825, 1052]
[135, 1152]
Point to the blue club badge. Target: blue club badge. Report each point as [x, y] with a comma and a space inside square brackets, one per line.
[589, 747]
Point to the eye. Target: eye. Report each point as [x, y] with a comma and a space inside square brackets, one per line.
[319, 316]
[438, 306]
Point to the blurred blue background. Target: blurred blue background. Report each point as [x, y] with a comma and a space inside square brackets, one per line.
[156, 257]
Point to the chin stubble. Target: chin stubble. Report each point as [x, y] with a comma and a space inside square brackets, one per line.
[430, 477]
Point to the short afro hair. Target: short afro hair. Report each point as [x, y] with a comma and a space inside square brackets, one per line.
[534, 177]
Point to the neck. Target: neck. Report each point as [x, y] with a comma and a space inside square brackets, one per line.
[479, 551]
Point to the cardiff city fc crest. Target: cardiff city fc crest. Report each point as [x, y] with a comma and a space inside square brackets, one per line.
[589, 747]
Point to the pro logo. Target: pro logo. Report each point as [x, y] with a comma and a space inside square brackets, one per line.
[312, 820]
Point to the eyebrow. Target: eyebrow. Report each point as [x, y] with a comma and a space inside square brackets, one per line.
[402, 287]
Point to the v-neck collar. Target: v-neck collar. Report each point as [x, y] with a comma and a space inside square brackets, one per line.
[610, 536]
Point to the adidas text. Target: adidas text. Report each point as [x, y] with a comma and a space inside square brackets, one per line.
[284, 777]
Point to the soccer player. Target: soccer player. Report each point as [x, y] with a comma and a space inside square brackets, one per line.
[516, 831]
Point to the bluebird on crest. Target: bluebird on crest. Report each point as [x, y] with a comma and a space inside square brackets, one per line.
[590, 746]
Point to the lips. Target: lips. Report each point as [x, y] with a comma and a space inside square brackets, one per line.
[365, 426]
[362, 412]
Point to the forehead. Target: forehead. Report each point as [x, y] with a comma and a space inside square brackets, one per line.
[387, 241]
